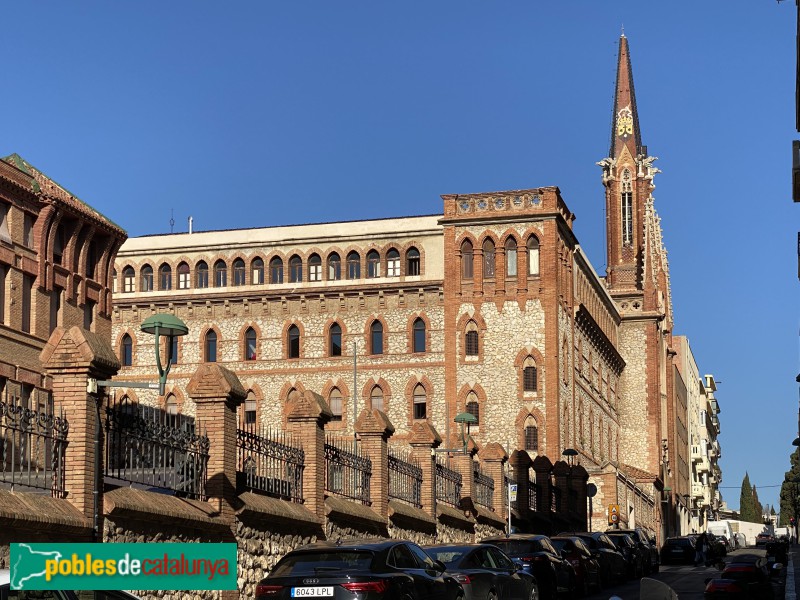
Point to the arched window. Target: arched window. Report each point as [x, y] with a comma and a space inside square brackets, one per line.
[250, 410]
[412, 262]
[257, 271]
[250, 344]
[488, 259]
[314, 268]
[466, 259]
[420, 402]
[336, 404]
[529, 375]
[128, 279]
[220, 274]
[376, 399]
[114, 288]
[126, 357]
[473, 407]
[147, 279]
[184, 277]
[335, 347]
[471, 339]
[295, 269]
[581, 433]
[201, 275]
[533, 256]
[419, 336]
[173, 350]
[627, 208]
[373, 264]
[393, 263]
[171, 410]
[376, 338]
[353, 265]
[238, 272]
[210, 350]
[293, 342]
[276, 270]
[511, 257]
[334, 267]
[591, 432]
[531, 434]
[165, 277]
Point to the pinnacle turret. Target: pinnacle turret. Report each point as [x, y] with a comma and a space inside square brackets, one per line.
[625, 120]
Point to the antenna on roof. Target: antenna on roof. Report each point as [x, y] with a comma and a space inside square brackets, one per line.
[171, 220]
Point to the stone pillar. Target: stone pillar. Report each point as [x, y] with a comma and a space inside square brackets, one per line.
[465, 464]
[217, 393]
[375, 429]
[494, 457]
[307, 415]
[520, 465]
[424, 440]
[72, 356]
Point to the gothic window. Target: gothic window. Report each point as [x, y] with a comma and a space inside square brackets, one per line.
[250, 407]
[627, 208]
[184, 277]
[335, 336]
[419, 336]
[164, 277]
[466, 259]
[295, 269]
[376, 337]
[173, 351]
[250, 344]
[376, 399]
[471, 340]
[201, 275]
[238, 272]
[353, 265]
[171, 410]
[276, 270]
[210, 351]
[412, 262]
[420, 402]
[220, 274]
[293, 342]
[334, 267]
[488, 259]
[257, 271]
[314, 268]
[533, 256]
[529, 375]
[127, 351]
[335, 403]
[511, 257]
[473, 407]
[393, 263]
[373, 264]
[147, 278]
[128, 279]
[531, 434]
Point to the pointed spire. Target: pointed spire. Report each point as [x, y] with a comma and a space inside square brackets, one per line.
[625, 120]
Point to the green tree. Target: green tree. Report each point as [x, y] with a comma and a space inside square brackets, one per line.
[758, 509]
[789, 489]
[747, 509]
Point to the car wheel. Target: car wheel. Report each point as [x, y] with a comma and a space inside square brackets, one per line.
[491, 596]
[534, 595]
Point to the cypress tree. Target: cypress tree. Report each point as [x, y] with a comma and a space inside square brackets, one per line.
[746, 506]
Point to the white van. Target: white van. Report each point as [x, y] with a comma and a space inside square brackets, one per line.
[723, 529]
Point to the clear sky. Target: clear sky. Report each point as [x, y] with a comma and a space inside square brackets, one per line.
[258, 113]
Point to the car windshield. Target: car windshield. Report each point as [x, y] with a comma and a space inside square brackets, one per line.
[317, 562]
[449, 556]
[561, 544]
[679, 542]
[518, 547]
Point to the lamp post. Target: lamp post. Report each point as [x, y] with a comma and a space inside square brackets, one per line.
[465, 418]
[570, 453]
[170, 326]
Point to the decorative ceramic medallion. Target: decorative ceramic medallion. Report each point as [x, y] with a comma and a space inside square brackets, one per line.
[517, 201]
[464, 206]
[499, 203]
[536, 200]
[625, 122]
[482, 204]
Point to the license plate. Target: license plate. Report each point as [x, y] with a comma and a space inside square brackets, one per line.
[312, 592]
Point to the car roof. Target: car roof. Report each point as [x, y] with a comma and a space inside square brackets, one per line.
[464, 546]
[359, 544]
[514, 536]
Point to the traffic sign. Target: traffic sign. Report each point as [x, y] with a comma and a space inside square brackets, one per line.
[613, 514]
[512, 492]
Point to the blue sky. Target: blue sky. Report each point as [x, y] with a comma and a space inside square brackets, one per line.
[257, 113]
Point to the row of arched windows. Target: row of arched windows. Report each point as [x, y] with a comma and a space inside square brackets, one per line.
[489, 257]
[295, 270]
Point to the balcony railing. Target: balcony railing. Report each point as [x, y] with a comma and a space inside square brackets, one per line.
[270, 463]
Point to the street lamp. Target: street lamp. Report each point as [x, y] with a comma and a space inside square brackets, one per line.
[570, 453]
[170, 326]
[465, 418]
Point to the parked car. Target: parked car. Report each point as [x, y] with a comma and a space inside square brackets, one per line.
[485, 572]
[612, 563]
[647, 546]
[633, 556]
[369, 570]
[587, 569]
[5, 592]
[763, 539]
[745, 580]
[678, 550]
[538, 557]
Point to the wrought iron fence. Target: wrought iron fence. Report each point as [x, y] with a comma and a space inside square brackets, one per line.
[347, 472]
[555, 500]
[32, 444]
[271, 463]
[484, 488]
[146, 446]
[448, 484]
[533, 492]
[405, 478]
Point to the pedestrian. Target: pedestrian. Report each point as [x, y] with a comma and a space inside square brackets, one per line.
[701, 548]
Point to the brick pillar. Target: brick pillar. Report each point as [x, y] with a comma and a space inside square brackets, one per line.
[578, 479]
[465, 464]
[543, 467]
[520, 464]
[561, 472]
[493, 456]
[424, 440]
[71, 357]
[375, 430]
[307, 415]
[217, 393]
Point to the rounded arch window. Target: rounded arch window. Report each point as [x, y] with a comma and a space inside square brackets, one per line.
[201, 274]
[210, 351]
[466, 259]
[373, 264]
[238, 272]
[276, 270]
[393, 263]
[488, 259]
[250, 344]
[473, 407]
[334, 267]
[295, 269]
[257, 271]
[250, 410]
[220, 274]
[533, 255]
[419, 336]
[471, 339]
[336, 404]
[420, 401]
[376, 399]
[353, 265]
[335, 340]
[511, 257]
[184, 277]
[531, 431]
[293, 342]
[165, 277]
[412, 262]
[376, 337]
[128, 279]
[147, 278]
[126, 357]
[314, 268]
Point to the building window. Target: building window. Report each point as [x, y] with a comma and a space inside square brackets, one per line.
[250, 344]
[250, 407]
[511, 257]
[27, 292]
[126, 357]
[466, 259]
[59, 244]
[376, 338]
[201, 275]
[257, 271]
[164, 277]
[488, 259]
[27, 232]
[533, 256]
[412, 262]
[334, 267]
[171, 411]
[276, 270]
[420, 402]
[128, 279]
[393, 263]
[147, 278]
[473, 407]
[184, 277]
[314, 268]
[295, 269]
[238, 272]
[293, 339]
[531, 435]
[335, 348]
[376, 399]
[5, 232]
[471, 340]
[211, 346]
[56, 308]
[173, 351]
[419, 336]
[627, 208]
[529, 375]
[336, 404]
[353, 265]
[373, 264]
[220, 274]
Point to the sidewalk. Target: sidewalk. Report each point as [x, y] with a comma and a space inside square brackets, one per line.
[793, 573]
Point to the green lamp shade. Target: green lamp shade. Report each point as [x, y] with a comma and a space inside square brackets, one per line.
[465, 417]
[166, 324]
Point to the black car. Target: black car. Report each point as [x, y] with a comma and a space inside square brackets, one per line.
[366, 570]
[485, 572]
[678, 550]
[647, 546]
[633, 556]
[613, 568]
[538, 557]
[587, 569]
